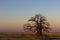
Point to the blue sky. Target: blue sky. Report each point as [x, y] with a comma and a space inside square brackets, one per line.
[29, 7]
[15, 11]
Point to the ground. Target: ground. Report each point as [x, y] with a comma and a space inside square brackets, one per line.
[23, 36]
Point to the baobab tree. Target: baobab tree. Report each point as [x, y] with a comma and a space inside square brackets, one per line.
[41, 24]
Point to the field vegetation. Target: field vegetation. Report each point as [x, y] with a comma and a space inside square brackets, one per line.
[23, 36]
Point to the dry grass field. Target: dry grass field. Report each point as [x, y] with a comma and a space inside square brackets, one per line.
[23, 36]
[17, 36]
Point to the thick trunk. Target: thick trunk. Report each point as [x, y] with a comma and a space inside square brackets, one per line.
[39, 29]
[40, 25]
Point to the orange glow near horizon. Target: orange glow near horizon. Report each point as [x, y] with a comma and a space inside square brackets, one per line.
[17, 24]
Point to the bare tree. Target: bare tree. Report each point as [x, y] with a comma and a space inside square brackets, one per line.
[29, 28]
[41, 24]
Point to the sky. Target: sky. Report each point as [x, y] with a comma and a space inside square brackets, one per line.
[15, 13]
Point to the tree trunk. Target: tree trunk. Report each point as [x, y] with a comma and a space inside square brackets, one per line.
[39, 29]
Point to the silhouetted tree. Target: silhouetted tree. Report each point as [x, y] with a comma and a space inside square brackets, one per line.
[41, 24]
[29, 28]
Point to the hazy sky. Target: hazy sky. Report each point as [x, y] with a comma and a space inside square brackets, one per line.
[14, 13]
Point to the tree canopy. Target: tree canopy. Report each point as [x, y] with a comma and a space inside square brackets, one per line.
[41, 24]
